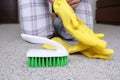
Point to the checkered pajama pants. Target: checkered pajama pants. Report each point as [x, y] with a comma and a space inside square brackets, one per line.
[35, 18]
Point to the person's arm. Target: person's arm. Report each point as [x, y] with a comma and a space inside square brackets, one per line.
[51, 1]
[72, 3]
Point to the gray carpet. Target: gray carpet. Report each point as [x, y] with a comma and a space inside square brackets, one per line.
[13, 59]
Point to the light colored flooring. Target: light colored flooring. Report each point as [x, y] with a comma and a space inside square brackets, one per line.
[13, 59]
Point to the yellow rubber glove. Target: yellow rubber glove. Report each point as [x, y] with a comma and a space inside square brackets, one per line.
[101, 51]
[71, 49]
[95, 52]
[100, 35]
[75, 26]
[90, 44]
[81, 47]
[90, 54]
[102, 54]
[77, 48]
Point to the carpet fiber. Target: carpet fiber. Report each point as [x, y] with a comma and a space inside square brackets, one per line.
[13, 59]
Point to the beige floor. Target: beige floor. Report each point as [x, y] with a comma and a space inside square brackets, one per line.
[13, 59]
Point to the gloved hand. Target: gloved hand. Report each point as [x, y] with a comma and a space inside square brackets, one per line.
[75, 26]
[92, 52]
[71, 49]
[88, 42]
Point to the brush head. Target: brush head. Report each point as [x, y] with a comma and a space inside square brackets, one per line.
[46, 58]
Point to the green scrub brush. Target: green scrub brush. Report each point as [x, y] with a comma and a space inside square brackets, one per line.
[45, 57]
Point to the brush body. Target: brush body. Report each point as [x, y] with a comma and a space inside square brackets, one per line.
[44, 57]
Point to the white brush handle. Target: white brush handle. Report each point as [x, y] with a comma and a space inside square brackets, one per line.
[41, 40]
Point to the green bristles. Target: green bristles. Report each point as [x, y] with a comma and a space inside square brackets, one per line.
[47, 62]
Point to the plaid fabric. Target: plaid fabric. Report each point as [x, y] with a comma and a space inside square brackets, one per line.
[83, 11]
[35, 18]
